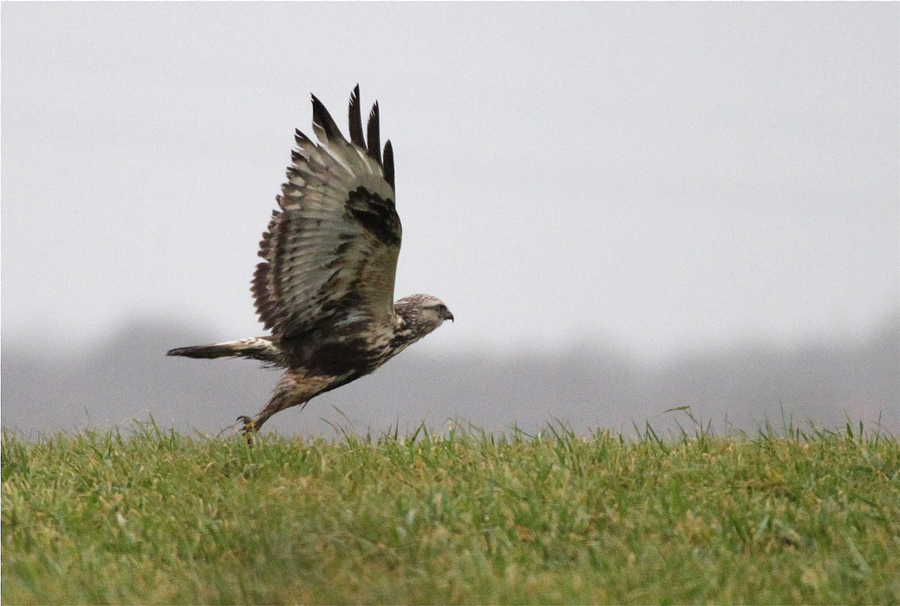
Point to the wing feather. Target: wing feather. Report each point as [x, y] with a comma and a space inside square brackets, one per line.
[374, 134]
[355, 118]
[389, 163]
[330, 253]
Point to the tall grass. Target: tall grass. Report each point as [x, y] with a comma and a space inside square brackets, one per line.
[459, 517]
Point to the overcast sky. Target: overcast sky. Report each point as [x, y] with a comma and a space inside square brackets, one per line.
[659, 177]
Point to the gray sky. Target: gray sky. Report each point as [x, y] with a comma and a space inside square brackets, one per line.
[660, 177]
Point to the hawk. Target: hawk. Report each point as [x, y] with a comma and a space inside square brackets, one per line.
[325, 288]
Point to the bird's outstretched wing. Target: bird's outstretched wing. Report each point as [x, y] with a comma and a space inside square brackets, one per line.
[331, 252]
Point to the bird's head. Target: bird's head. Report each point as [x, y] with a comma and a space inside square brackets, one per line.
[422, 313]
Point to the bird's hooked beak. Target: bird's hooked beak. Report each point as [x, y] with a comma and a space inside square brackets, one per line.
[448, 316]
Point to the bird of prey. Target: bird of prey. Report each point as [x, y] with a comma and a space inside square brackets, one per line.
[325, 288]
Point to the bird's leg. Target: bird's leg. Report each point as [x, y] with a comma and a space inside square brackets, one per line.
[289, 392]
[251, 426]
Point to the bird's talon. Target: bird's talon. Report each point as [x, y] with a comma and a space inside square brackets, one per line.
[249, 424]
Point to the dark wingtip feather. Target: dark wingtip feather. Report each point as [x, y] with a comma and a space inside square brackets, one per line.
[389, 164]
[374, 134]
[323, 119]
[356, 129]
[300, 138]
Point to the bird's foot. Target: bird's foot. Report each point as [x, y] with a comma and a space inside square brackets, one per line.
[249, 429]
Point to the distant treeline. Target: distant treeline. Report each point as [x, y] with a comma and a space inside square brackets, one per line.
[826, 382]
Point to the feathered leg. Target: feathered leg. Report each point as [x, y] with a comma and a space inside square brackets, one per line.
[292, 390]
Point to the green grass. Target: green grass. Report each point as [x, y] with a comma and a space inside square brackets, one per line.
[161, 517]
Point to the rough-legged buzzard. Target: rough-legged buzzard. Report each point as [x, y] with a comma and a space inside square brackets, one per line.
[326, 286]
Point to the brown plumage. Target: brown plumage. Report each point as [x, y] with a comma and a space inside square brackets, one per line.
[326, 286]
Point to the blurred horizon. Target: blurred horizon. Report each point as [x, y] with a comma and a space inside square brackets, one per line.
[586, 386]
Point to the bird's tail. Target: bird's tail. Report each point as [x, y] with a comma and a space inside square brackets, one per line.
[255, 348]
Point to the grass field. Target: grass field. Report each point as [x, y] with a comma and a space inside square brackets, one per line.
[161, 517]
